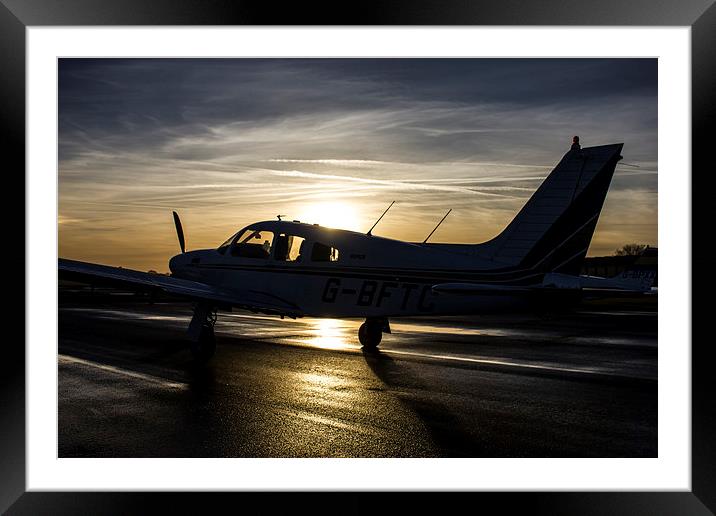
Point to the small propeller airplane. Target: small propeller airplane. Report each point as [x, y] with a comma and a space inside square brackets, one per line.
[293, 269]
[640, 276]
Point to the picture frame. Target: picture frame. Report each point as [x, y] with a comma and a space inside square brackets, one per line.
[700, 15]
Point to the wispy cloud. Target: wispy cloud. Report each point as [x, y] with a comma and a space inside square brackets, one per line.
[400, 185]
[338, 162]
[228, 142]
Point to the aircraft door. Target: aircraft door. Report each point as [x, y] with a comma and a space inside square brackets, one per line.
[288, 258]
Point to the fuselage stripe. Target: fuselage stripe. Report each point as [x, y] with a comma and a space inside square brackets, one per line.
[424, 276]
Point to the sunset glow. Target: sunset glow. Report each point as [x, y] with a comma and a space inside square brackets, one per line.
[339, 215]
[227, 142]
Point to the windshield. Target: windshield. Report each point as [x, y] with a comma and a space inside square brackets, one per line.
[253, 243]
[249, 243]
[228, 240]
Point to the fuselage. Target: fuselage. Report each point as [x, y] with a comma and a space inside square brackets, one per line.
[337, 273]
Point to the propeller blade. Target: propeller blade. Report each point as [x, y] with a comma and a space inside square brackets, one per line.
[180, 231]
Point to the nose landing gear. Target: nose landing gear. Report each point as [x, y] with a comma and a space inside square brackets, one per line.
[202, 342]
[371, 332]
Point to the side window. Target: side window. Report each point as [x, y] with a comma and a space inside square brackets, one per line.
[289, 248]
[324, 253]
[253, 243]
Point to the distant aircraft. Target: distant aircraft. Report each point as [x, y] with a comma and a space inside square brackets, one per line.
[293, 269]
[640, 276]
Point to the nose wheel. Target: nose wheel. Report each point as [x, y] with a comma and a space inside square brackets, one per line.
[371, 331]
[202, 343]
[204, 347]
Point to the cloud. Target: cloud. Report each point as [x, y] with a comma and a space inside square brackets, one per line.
[392, 184]
[222, 139]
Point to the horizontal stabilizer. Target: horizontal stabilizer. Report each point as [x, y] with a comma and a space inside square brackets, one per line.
[467, 289]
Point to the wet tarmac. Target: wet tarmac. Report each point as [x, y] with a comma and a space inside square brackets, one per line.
[578, 385]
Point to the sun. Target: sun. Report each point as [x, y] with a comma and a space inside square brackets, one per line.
[339, 215]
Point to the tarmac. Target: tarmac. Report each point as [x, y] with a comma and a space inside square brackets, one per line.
[582, 384]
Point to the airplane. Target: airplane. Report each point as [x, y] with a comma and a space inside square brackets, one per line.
[295, 269]
[640, 276]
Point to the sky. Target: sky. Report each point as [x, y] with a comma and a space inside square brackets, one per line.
[227, 142]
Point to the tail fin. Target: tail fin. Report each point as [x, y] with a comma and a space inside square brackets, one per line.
[552, 232]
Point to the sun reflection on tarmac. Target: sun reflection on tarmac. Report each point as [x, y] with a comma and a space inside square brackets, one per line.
[331, 334]
[324, 381]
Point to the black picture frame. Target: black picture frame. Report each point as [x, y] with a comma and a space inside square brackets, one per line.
[17, 15]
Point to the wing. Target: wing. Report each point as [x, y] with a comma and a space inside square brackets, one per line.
[251, 300]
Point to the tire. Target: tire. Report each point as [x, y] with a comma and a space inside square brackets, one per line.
[370, 335]
[205, 347]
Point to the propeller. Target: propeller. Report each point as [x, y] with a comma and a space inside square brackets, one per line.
[180, 231]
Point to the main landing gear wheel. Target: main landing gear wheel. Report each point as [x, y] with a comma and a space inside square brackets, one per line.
[204, 347]
[370, 334]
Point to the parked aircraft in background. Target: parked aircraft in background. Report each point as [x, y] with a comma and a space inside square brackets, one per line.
[640, 276]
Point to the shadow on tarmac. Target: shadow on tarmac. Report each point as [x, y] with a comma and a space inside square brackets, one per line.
[443, 426]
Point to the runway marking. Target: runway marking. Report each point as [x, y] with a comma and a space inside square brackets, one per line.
[67, 359]
[445, 330]
[300, 342]
[142, 316]
[503, 363]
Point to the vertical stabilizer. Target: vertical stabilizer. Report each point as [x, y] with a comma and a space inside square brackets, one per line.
[552, 232]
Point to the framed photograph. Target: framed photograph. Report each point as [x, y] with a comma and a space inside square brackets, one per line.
[438, 268]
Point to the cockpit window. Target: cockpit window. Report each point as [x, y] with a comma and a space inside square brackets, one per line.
[252, 243]
[324, 253]
[289, 248]
[227, 243]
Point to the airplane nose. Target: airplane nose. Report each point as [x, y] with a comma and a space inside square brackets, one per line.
[175, 264]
